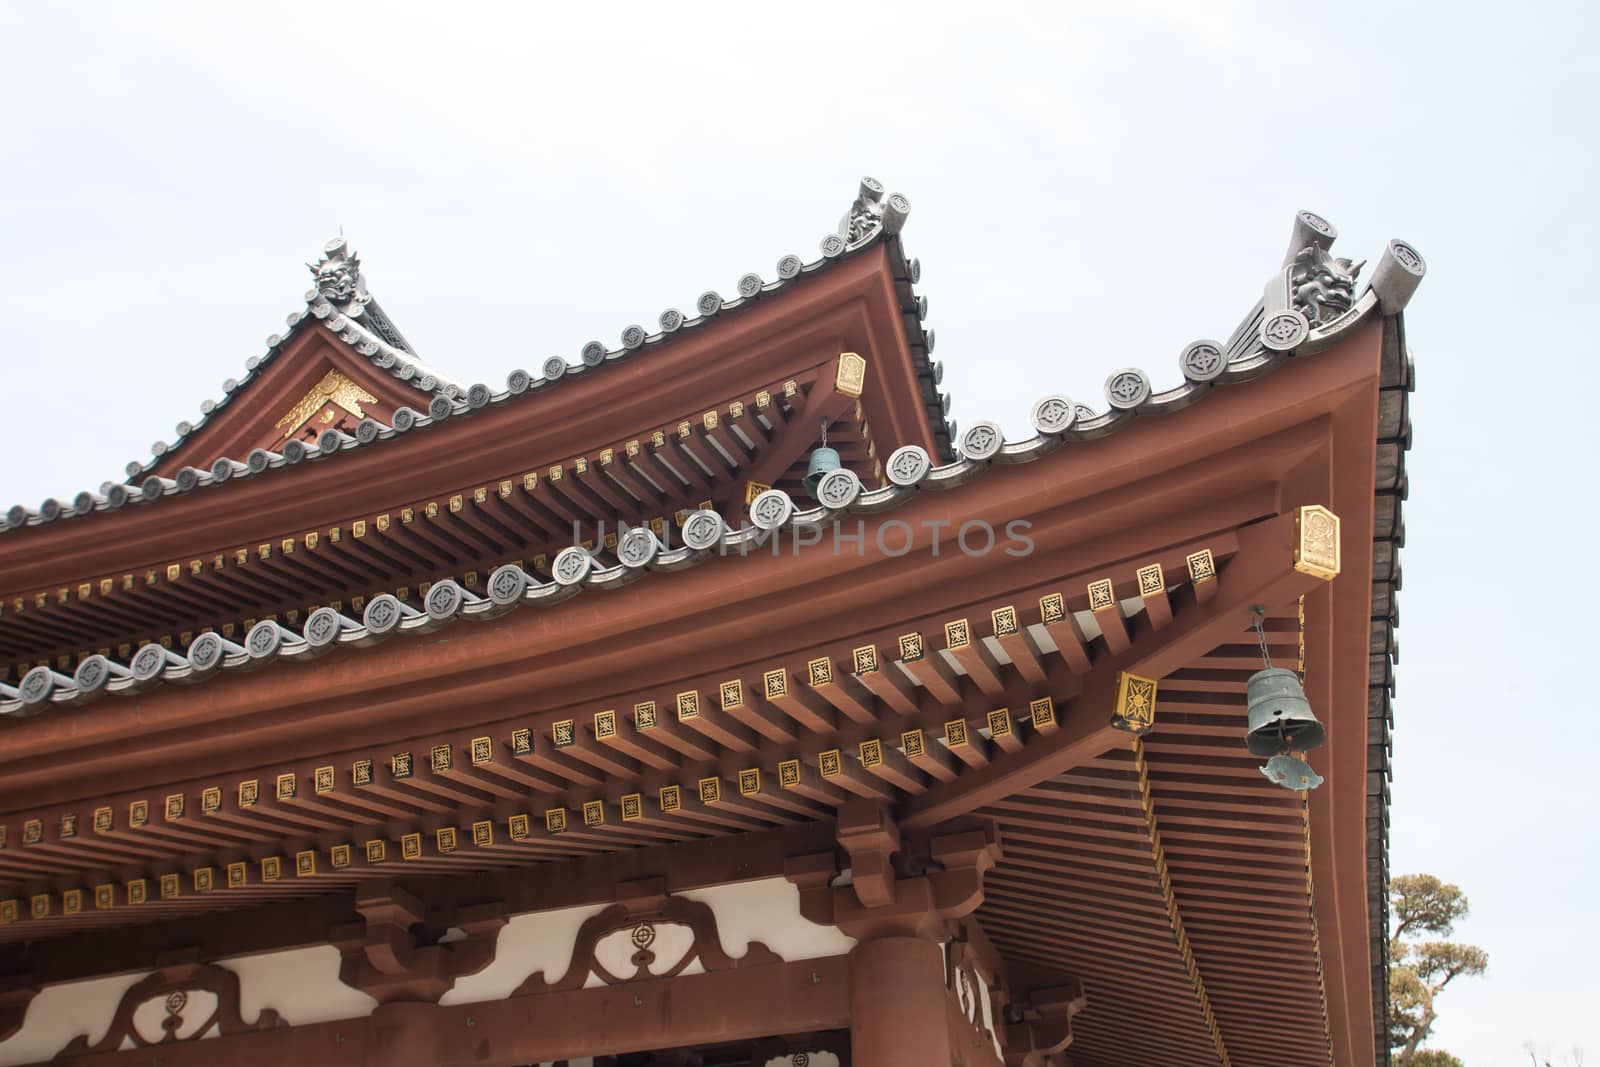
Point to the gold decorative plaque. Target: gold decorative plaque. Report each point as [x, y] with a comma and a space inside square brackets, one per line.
[1316, 536]
[851, 376]
[1135, 710]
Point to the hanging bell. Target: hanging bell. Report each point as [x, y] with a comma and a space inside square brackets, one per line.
[1280, 716]
[824, 460]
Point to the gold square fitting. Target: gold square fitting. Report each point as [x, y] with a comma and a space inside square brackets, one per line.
[323, 779]
[1316, 537]
[521, 741]
[138, 891]
[39, 905]
[1152, 582]
[8, 912]
[102, 820]
[851, 377]
[286, 786]
[776, 683]
[911, 648]
[912, 743]
[400, 765]
[1042, 712]
[204, 879]
[555, 820]
[957, 634]
[444, 838]
[174, 807]
[865, 659]
[483, 833]
[1004, 620]
[482, 751]
[594, 813]
[171, 886]
[710, 790]
[820, 671]
[670, 798]
[732, 694]
[789, 773]
[644, 715]
[564, 733]
[871, 752]
[749, 781]
[605, 725]
[105, 897]
[829, 764]
[249, 793]
[1101, 595]
[210, 800]
[688, 705]
[339, 857]
[955, 733]
[1202, 568]
[1000, 722]
[1135, 709]
[439, 758]
[377, 850]
[72, 902]
[519, 827]
[361, 772]
[1052, 608]
[139, 813]
[632, 806]
[67, 825]
[272, 869]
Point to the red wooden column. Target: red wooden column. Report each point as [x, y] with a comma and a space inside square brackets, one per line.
[897, 1004]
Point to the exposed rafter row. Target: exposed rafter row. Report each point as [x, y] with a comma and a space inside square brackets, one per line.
[1158, 855]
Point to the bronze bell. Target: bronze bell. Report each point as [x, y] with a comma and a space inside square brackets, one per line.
[1280, 717]
[824, 460]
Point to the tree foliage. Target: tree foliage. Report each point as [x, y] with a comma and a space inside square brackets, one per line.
[1421, 967]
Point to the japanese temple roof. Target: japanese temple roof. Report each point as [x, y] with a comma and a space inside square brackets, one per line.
[340, 302]
[1057, 421]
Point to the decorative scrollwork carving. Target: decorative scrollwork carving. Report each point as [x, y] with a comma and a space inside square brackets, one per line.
[646, 926]
[174, 988]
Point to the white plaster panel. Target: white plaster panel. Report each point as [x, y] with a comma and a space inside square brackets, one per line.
[672, 942]
[199, 1006]
[301, 984]
[768, 910]
[62, 1012]
[537, 941]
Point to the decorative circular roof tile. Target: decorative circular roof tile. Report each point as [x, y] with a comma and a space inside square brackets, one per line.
[367, 431]
[444, 599]
[517, 382]
[507, 584]
[478, 396]
[710, 302]
[1127, 389]
[222, 469]
[37, 685]
[789, 267]
[16, 516]
[322, 628]
[670, 320]
[572, 565]
[1283, 331]
[838, 489]
[633, 337]
[1053, 414]
[265, 639]
[294, 449]
[832, 246]
[331, 440]
[148, 663]
[92, 674]
[1319, 224]
[916, 271]
[982, 441]
[1408, 257]
[703, 529]
[440, 408]
[84, 502]
[593, 354]
[771, 509]
[637, 547]
[117, 495]
[908, 465]
[382, 614]
[555, 367]
[152, 488]
[206, 653]
[749, 285]
[1203, 361]
[50, 509]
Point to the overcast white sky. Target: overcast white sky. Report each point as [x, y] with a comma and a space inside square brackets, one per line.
[1092, 186]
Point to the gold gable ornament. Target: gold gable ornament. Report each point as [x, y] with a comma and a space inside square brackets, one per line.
[335, 387]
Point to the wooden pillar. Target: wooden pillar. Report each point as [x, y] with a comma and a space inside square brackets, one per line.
[897, 1004]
